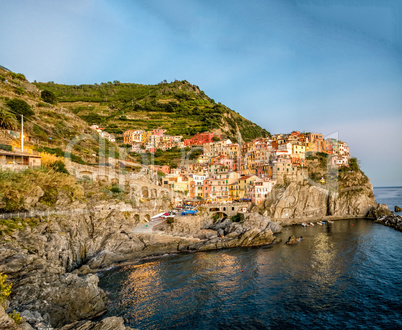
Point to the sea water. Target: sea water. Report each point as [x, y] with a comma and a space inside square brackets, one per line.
[389, 195]
[343, 274]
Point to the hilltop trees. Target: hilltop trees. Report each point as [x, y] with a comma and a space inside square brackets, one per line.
[48, 96]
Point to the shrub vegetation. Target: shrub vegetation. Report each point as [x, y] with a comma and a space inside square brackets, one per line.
[48, 96]
[20, 107]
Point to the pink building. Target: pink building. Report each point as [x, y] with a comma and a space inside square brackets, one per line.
[158, 132]
[206, 188]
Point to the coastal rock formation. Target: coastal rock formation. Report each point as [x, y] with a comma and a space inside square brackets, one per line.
[256, 220]
[398, 209]
[252, 237]
[394, 221]
[381, 210]
[255, 230]
[296, 201]
[38, 260]
[43, 287]
[293, 240]
[52, 261]
[352, 195]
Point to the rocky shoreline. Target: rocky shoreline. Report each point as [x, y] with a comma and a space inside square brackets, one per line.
[53, 263]
[392, 220]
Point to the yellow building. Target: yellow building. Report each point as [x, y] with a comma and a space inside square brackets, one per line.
[244, 183]
[234, 190]
[144, 136]
[298, 150]
[181, 185]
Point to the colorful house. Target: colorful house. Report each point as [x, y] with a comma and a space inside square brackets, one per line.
[259, 190]
[201, 138]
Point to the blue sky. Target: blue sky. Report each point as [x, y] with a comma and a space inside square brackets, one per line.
[324, 66]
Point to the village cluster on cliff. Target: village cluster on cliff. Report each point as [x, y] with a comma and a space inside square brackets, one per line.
[226, 171]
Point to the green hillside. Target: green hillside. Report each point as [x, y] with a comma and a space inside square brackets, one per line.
[55, 114]
[47, 127]
[178, 107]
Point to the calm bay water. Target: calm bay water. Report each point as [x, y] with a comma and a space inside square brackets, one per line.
[346, 274]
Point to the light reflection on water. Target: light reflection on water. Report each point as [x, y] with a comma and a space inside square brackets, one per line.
[322, 263]
[343, 275]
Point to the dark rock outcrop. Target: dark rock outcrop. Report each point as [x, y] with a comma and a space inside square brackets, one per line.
[398, 209]
[394, 221]
[293, 240]
[380, 210]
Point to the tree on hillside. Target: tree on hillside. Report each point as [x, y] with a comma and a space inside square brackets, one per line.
[7, 119]
[20, 107]
[353, 164]
[48, 96]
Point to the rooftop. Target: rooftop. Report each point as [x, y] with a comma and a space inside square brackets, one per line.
[20, 154]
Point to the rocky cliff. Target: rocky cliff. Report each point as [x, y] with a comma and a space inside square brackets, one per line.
[38, 261]
[350, 195]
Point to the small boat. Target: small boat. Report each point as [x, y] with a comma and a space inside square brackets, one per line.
[319, 222]
[311, 224]
[156, 217]
[304, 224]
[330, 221]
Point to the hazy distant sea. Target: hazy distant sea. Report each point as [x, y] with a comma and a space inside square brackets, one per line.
[389, 195]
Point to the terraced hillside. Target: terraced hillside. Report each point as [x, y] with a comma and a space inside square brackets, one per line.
[51, 124]
[47, 127]
[179, 107]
